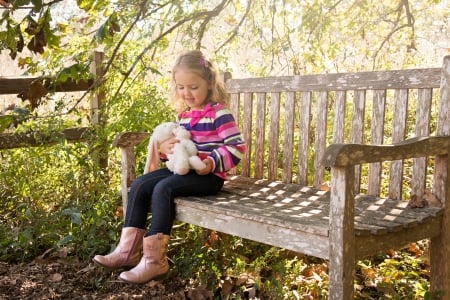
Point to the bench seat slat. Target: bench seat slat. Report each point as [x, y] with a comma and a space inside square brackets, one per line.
[303, 209]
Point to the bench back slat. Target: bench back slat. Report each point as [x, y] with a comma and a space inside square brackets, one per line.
[274, 136]
[305, 114]
[259, 133]
[398, 135]
[304, 137]
[339, 117]
[288, 141]
[377, 137]
[320, 137]
[247, 132]
[359, 108]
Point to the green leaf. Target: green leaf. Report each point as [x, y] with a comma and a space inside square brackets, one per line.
[19, 3]
[37, 5]
[5, 122]
[85, 4]
[75, 215]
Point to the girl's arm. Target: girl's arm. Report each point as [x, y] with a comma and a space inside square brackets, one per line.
[230, 153]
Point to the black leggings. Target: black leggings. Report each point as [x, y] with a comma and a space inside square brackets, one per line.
[159, 188]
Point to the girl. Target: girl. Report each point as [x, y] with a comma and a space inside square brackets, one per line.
[200, 98]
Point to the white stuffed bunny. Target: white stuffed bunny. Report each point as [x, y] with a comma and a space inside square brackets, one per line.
[184, 156]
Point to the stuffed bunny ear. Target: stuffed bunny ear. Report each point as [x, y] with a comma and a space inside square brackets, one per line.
[152, 157]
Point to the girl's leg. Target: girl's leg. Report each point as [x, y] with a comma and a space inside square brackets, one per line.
[128, 251]
[164, 192]
[140, 196]
[154, 263]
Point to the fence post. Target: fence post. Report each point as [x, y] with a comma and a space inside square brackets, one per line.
[97, 102]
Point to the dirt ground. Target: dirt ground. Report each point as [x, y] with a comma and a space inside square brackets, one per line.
[62, 279]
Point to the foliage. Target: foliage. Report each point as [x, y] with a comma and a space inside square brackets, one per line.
[207, 257]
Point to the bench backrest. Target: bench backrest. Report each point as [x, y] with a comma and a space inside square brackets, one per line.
[289, 121]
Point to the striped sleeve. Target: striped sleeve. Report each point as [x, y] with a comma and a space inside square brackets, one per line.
[230, 152]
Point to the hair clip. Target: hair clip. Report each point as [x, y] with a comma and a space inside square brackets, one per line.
[203, 62]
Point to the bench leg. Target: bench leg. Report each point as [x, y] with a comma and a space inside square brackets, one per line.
[440, 245]
[342, 237]
[341, 276]
[440, 273]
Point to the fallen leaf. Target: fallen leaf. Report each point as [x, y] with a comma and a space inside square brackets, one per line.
[242, 279]
[56, 277]
[391, 252]
[199, 293]
[431, 199]
[227, 285]
[4, 3]
[119, 212]
[413, 248]
[325, 187]
[417, 202]
[368, 273]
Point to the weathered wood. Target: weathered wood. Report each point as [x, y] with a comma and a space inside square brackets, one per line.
[342, 257]
[288, 139]
[423, 119]
[440, 245]
[247, 132]
[39, 138]
[260, 134]
[129, 139]
[16, 85]
[414, 78]
[126, 141]
[377, 134]
[320, 137]
[398, 135]
[304, 134]
[339, 117]
[352, 154]
[234, 107]
[358, 129]
[274, 136]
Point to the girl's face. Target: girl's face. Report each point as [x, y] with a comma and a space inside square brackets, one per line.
[192, 88]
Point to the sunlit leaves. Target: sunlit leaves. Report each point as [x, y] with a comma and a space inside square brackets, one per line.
[74, 71]
[5, 122]
[108, 29]
[20, 3]
[85, 4]
[37, 5]
[92, 4]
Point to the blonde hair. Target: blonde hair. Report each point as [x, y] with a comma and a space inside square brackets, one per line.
[196, 62]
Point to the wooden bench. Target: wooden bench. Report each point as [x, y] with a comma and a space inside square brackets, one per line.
[333, 164]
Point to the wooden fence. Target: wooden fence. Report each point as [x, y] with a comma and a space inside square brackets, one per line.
[22, 86]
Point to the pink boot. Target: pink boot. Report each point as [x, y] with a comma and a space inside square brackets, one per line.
[153, 264]
[128, 251]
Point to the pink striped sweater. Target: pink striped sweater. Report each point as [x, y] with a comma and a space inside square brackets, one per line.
[216, 134]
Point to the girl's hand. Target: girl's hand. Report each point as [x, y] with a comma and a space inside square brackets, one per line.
[166, 147]
[208, 167]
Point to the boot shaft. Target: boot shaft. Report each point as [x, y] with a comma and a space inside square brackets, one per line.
[155, 246]
[153, 264]
[127, 252]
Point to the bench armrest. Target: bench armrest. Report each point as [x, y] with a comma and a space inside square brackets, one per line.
[127, 141]
[343, 155]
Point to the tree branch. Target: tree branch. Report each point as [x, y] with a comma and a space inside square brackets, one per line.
[214, 13]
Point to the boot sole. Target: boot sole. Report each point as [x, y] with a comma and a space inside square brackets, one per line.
[112, 268]
[156, 278]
